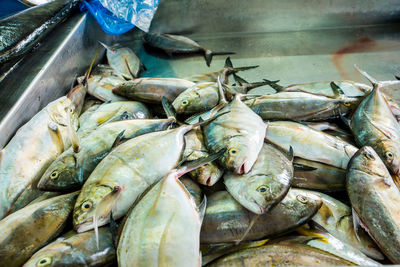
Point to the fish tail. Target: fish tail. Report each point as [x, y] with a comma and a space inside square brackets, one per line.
[194, 164]
[228, 63]
[275, 85]
[337, 91]
[208, 55]
[375, 83]
[239, 79]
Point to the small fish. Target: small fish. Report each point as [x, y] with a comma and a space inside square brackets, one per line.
[374, 198]
[43, 221]
[177, 44]
[227, 221]
[265, 185]
[151, 90]
[124, 61]
[74, 249]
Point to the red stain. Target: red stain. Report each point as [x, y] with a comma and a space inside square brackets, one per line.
[360, 45]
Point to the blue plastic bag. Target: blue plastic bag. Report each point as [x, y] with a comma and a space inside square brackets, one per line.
[119, 16]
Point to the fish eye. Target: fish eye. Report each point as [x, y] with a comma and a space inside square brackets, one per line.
[185, 102]
[44, 262]
[262, 189]
[54, 175]
[302, 199]
[347, 104]
[87, 205]
[389, 155]
[232, 151]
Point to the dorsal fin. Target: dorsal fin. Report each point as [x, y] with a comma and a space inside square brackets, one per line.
[375, 83]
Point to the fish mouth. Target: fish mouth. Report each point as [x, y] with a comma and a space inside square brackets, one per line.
[83, 227]
[242, 169]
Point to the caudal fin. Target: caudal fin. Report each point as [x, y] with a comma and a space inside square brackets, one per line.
[208, 55]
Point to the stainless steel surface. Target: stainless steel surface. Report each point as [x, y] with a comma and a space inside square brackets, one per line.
[294, 41]
[48, 72]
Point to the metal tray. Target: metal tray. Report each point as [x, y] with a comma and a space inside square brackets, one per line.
[293, 41]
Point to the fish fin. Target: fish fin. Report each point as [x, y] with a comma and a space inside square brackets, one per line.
[397, 77]
[228, 63]
[56, 134]
[74, 138]
[113, 230]
[118, 139]
[221, 91]
[194, 164]
[255, 85]
[208, 55]
[106, 205]
[168, 108]
[275, 85]
[375, 83]
[357, 223]
[129, 70]
[202, 208]
[379, 128]
[252, 222]
[239, 79]
[302, 167]
[87, 74]
[309, 234]
[205, 122]
[337, 91]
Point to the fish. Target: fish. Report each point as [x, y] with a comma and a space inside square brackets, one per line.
[193, 188]
[281, 254]
[178, 44]
[125, 173]
[225, 72]
[35, 145]
[101, 88]
[265, 185]
[151, 90]
[91, 104]
[240, 131]
[374, 198]
[124, 61]
[110, 112]
[299, 106]
[74, 249]
[19, 37]
[373, 124]
[336, 218]
[226, 220]
[310, 144]
[70, 170]
[195, 148]
[318, 176]
[153, 237]
[321, 239]
[28, 229]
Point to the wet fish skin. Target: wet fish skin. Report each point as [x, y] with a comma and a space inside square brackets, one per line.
[226, 220]
[101, 87]
[76, 250]
[151, 90]
[193, 188]
[375, 197]
[70, 170]
[265, 185]
[280, 254]
[240, 131]
[310, 144]
[124, 61]
[35, 145]
[336, 218]
[43, 221]
[318, 176]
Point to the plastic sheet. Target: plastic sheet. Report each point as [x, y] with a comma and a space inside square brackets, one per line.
[119, 16]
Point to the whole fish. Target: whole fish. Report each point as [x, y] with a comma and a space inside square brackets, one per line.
[153, 237]
[151, 90]
[193, 188]
[101, 88]
[336, 218]
[310, 144]
[177, 44]
[35, 145]
[318, 176]
[299, 106]
[19, 37]
[226, 220]
[70, 170]
[373, 124]
[26, 230]
[265, 185]
[281, 254]
[213, 76]
[110, 112]
[125, 173]
[124, 61]
[195, 148]
[240, 131]
[76, 250]
[374, 198]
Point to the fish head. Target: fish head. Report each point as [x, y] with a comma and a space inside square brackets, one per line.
[86, 207]
[305, 200]
[389, 150]
[186, 103]
[348, 104]
[61, 175]
[207, 174]
[368, 161]
[56, 254]
[240, 156]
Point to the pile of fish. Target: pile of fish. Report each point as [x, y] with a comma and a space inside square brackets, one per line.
[219, 177]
